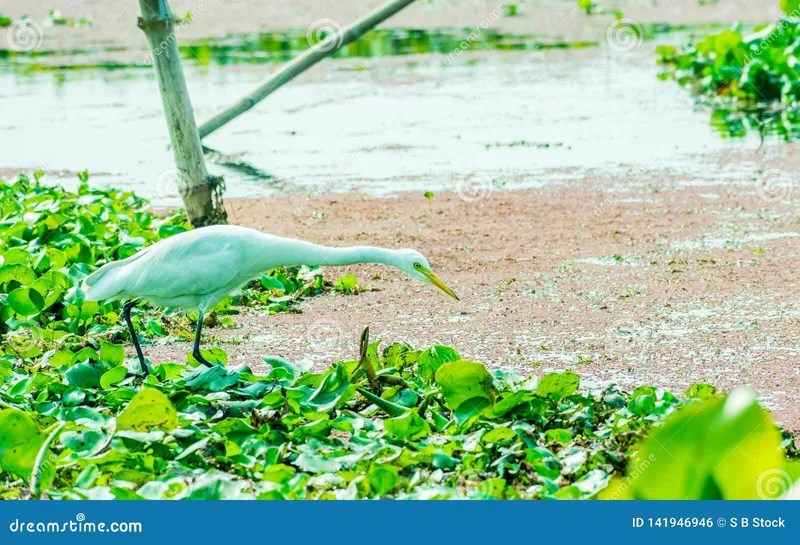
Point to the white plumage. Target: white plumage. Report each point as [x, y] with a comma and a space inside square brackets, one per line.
[196, 269]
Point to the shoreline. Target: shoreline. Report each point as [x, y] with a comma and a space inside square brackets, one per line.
[668, 286]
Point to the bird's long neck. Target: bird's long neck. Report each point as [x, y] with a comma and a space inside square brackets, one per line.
[298, 252]
[326, 255]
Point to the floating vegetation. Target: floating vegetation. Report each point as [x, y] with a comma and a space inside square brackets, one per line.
[78, 422]
[51, 239]
[750, 81]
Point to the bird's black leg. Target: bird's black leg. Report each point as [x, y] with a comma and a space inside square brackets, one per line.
[126, 312]
[196, 350]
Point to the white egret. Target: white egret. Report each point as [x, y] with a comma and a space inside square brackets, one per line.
[196, 269]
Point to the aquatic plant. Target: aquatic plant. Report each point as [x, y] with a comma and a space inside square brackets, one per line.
[77, 421]
[751, 81]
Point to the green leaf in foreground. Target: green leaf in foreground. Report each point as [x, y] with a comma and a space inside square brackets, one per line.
[721, 448]
[558, 385]
[462, 380]
[26, 301]
[113, 376]
[20, 443]
[148, 409]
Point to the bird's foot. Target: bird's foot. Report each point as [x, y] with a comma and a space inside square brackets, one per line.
[199, 357]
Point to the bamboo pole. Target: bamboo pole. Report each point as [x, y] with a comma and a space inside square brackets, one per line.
[199, 191]
[303, 62]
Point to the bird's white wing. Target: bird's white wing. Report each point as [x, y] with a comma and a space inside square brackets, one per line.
[191, 266]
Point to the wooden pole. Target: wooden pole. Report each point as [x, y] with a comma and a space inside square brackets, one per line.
[303, 62]
[201, 193]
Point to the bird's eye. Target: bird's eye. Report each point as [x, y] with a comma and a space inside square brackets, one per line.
[417, 265]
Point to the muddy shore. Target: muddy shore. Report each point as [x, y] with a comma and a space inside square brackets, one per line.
[647, 279]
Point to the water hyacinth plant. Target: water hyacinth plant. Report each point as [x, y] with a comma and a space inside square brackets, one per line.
[750, 79]
[76, 421]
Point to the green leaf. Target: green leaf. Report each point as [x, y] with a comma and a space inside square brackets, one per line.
[332, 390]
[73, 397]
[148, 409]
[26, 301]
[642, 405]
[17, 272]
[500, 433]
[409, 426]
[558, 435]
[113, 354]
[215, 355]
[347, 283]
[558, 385]
[20, 443]
[382, 478]
[113, 376]
[85, 374]
[471, 408]
[790, 7]
[434, 357]
[213, 379]
[272, 283]
[509, 403]
[701, 391]
[166, 230]
[169, 371]
[721, 448]
[390, 408]
[462, 380]
[441, 460]
[85, 354]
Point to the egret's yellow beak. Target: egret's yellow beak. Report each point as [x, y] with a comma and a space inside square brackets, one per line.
[439, 284]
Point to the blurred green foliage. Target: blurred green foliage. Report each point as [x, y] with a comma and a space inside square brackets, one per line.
[750, 81]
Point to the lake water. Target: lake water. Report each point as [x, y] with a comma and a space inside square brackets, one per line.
[394, 112]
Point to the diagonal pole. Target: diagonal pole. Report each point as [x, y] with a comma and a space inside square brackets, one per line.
[303, 62]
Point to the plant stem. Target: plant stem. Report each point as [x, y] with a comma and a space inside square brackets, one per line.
[36, 474]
